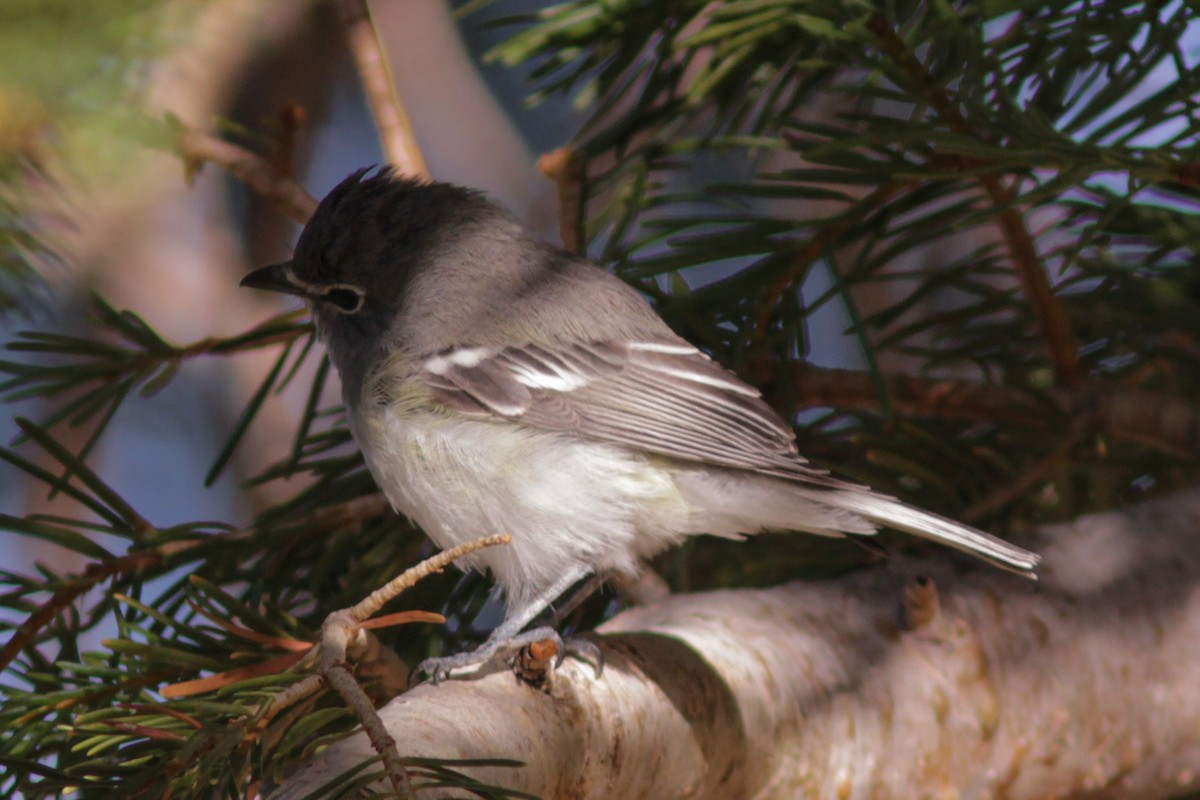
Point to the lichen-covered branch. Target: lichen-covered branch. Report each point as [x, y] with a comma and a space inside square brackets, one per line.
[867, 686]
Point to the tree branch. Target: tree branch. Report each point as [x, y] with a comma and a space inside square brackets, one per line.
[75, 586]
[874, 684]
[814, 247]
[1164, 422]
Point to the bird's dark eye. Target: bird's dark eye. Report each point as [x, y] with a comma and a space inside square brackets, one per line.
[348, 299]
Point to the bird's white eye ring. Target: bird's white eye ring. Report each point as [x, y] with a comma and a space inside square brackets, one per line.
[342, 296]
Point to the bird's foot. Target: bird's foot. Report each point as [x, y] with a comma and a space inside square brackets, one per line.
[586, 650]
[439, 669]
[532, 654]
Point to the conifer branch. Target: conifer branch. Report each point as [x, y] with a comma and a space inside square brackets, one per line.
[77, 585]
[1055, 324]
[344, 632]
[330, 518]
[1163, 421]
[1078, 430]
[1065, 90]
[812, 249]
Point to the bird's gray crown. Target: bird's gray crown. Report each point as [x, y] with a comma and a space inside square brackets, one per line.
[372, 228]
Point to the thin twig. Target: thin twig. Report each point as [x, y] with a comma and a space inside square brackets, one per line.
[395, 129]
[308, 686]
[92, 574]
[916, 396]
[807, 252]
[335, 640]
[351, 512]
[250, 168]
[1055, 324]
[343, 633]
[564, 168]
[367, 607]
[159, 708]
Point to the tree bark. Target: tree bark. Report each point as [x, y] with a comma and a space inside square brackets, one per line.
[927, 678]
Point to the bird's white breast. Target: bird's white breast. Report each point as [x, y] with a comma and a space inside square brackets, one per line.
[564, 500]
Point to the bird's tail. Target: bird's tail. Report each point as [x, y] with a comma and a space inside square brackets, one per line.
[889, 511]
[733, 503]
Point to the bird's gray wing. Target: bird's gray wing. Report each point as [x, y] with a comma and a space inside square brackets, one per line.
[664, 396]
[659, 396]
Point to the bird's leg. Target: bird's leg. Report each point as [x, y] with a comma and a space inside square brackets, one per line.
[574, 645]
[563, 610]
[508, 636]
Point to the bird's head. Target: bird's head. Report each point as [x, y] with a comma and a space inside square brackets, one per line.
[357, 256]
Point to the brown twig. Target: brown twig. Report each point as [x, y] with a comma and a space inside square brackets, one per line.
[1055, 324]
[165, 710]
[367, 607]
[1168, 424]
[395, 130]
[352, 511]
[379, 662]
[343, 633]
[565, 170]
[143, 731]
[288, 124]
[253, 170]
[339, 678]
[911, 395]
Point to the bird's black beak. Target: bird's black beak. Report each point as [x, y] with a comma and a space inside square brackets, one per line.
[275, 278]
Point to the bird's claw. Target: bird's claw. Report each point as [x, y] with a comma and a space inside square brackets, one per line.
[440, 669]
[589, 651]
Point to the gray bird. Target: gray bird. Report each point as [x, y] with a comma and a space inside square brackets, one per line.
[498, 384]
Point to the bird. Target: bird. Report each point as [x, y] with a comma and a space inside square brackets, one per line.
[496, 383]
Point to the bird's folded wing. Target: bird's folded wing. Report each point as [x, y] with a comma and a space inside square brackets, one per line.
[658, 396]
